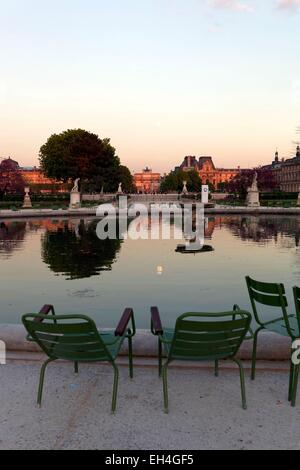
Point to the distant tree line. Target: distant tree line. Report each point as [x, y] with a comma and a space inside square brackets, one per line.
[174, 181]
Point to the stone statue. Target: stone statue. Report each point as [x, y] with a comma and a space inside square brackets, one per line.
[185, 190]
[120, 190]
[254, 186]
[75, 189]
[253, 193]
[75, 199]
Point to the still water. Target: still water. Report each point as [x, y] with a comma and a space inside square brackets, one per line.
[62, 262]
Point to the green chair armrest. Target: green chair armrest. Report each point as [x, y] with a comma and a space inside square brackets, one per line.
[250, 334]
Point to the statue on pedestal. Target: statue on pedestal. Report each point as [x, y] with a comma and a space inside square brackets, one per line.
[75, 199]
[185, 190]
[253, 193]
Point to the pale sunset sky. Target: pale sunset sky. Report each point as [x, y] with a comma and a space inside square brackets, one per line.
[161, 78]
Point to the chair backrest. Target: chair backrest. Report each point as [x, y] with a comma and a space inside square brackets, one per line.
[269, 294]
[201, 336]
[71, 337]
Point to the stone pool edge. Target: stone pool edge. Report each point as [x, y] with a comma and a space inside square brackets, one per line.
[271, 347]
[39, 213]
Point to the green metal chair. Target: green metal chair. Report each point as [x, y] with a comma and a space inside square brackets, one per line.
[273, 295]
[201, 337]
[76, 338]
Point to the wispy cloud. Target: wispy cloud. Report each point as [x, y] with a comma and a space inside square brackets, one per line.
[289, 5]
[234, 5]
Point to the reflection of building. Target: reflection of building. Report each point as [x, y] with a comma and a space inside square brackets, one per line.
[287, 172]
[207, 170]
[12, 235]
[147, 181]
[13, 178]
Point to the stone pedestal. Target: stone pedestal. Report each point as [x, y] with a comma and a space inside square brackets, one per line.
[253, 199]
[75, 200]
[27, 201]
[205, 194]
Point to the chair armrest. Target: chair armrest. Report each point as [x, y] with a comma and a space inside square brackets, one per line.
[46, 310]
[250, 334]
[156, 325]
[236, 308]
[123, 324]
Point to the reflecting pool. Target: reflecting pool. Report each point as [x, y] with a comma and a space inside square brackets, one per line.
[61, 261]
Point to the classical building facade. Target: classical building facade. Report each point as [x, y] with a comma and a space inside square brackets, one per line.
[208, 173]
[287, 172]
[147, 181]
[14, 178]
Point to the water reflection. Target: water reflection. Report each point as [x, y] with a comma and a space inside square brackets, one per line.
[12, 236]
[264, 229]
[72, 248]
[62, 261]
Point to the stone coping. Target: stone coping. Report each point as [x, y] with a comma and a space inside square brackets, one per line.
[271, 347]
[41, 213]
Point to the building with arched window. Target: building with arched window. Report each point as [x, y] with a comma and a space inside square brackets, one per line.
[14, 178]
[147, 181]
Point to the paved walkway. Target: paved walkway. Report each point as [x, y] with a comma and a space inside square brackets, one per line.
[205, 412]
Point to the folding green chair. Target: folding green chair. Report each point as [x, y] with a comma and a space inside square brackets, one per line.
[273, 295]
[201, 337]
[76, 338]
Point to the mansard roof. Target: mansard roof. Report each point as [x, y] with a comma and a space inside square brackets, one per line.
[203, 160]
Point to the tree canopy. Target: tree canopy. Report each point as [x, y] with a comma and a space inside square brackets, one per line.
[174, 181]
[241, 182]
[77, 153]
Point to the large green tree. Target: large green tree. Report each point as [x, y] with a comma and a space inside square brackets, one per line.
[77, 153]
[174, 181]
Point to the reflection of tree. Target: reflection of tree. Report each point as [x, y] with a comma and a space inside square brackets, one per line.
[77, 251]
[12, 235]
[264, 229]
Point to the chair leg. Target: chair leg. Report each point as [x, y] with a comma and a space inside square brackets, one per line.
[41, 384]
[242, 378]
[76, 367]
[159, 357]
[295, 386]
[130, 357]
[115, 389]
[216, 368]
[165, 387]
[291, 380]
[255, 340]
